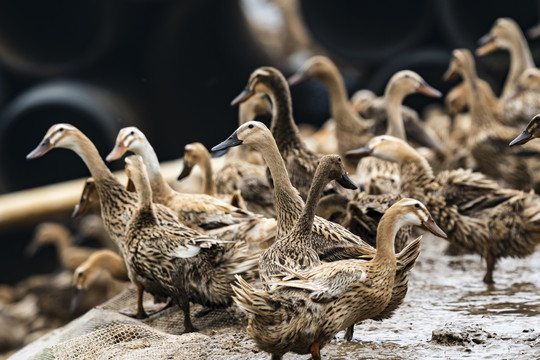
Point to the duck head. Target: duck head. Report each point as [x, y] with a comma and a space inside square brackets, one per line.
[194, 153]
[384, 147]
[260, 80]
[531, 131]
[408, 82]
[413, 212]
[362, 99]
[499, 37]
[529, 80]
[333, 168]
[318, 67]
[89, 196]
[128, 139]
[461, 59]
[252, 133]
[59, 136]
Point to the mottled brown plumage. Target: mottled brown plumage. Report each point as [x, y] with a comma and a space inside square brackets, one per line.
[486, 145]
[174, 260]
[301, 163]
[351, 131]
[199, 211]
[305, 310]
[331, 241]
[475, 211]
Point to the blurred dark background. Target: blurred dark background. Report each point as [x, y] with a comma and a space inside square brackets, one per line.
[171, 67]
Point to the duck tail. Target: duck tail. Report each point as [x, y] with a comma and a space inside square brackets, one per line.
[251, 300]
[406, 259]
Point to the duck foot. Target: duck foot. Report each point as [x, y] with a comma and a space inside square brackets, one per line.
[349, 333]
[490, 264]
[314, 349]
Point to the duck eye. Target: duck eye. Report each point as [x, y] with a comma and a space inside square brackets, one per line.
[61, 129]
[417, 205]
[250, 126]
[132, 132]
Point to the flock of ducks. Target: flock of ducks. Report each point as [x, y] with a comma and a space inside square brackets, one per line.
[255, 237]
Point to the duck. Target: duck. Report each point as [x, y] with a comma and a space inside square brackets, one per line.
[485, 147]
[531, 131]
[69, 255]
[476, 213]
[296, 249]
[117, 204]
[200, 211]
[232, 181]
[174, 260]
[301, 163]
[350, 129]
[303, 312]
[379, 177]
[331, 241]
[88, 273]
[506, 34]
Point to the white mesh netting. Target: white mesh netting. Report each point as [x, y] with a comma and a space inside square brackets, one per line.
[105, 333]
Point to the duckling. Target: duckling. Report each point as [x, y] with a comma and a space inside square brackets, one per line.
[350, 129]
[174, 260]
[88, 273]
[331, 241]
[485, 146]
[89, 198]
[117, 203]
[199, 211]
[301, 163]
[506, 34]
[70, 256]
[305, 310]
[476, 213]
[379, 177]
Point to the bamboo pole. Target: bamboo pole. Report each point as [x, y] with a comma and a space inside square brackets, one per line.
[29, 206]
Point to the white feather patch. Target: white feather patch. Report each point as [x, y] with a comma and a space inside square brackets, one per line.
[186, 251]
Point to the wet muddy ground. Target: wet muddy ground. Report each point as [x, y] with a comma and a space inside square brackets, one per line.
[449, 313]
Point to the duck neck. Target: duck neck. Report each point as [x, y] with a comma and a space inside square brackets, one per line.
[520, 60]
[480, 101]
[157, 181]
[386, 233]
[416, 175]
[209, 188]
[305, 221]
[142, 185]
[287, 199]
[283, 127]
[64, 241]
[394, 99]
[103, 177]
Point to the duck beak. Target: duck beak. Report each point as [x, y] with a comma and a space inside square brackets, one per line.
[75, 299]
[116, 153]
[346, 182]
[522, 138]
[359, 153]
[487, 45]
[230, 142]
[31, 249]
[533, 32]
[427, 90]
[185, 171]
[451, 74]
[41, 149]
[434, 228]
[220, 153]
[243, 96]
[297, 78]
